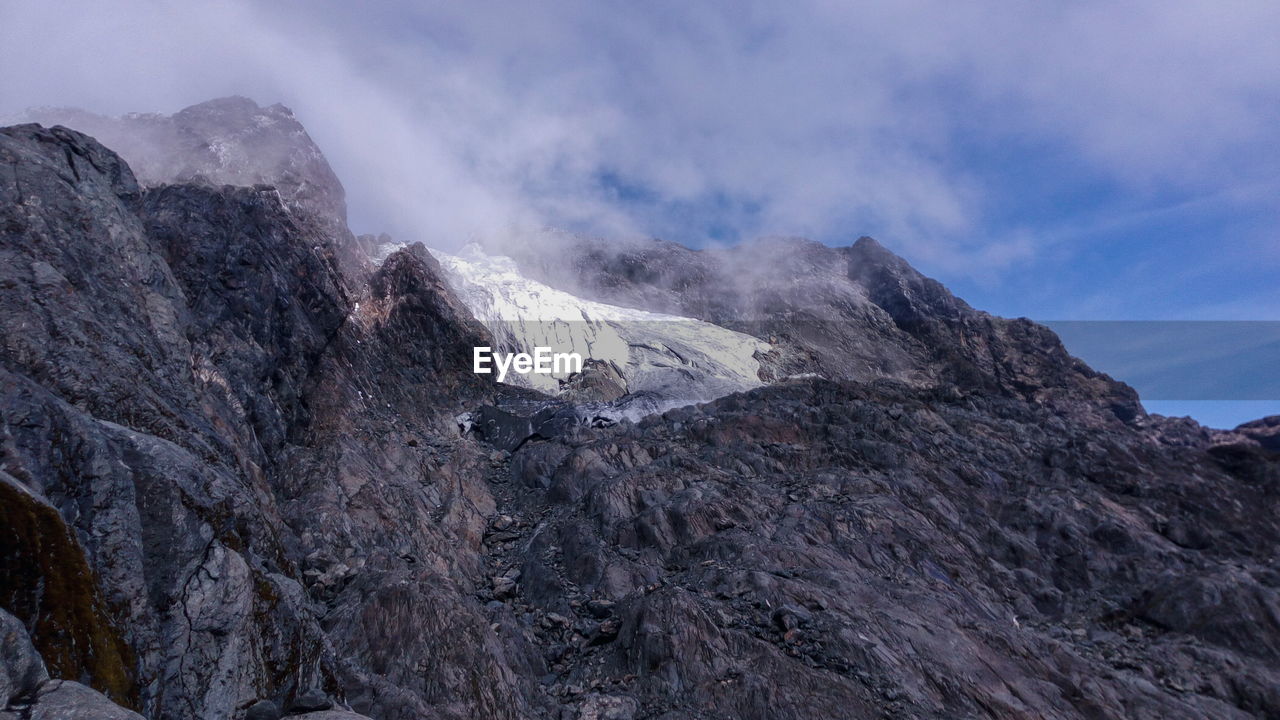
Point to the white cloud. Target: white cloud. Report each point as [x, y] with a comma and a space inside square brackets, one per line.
[449, 119]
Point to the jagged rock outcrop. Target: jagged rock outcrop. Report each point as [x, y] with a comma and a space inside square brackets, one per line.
[857, 312]
[22, 670]
[119, 414]
[28, 693]
[26, 690]
[1265, 432]
[188, 381]
[234, 485]
[820, 549]
[228, 141]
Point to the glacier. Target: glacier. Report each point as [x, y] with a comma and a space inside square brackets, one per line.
[666, 360]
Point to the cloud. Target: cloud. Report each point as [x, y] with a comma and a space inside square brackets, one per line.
[696, 120]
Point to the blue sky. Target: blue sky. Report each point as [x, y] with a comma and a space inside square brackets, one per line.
[1081, 160]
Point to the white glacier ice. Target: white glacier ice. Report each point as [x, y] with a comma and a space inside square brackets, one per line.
[667, 360]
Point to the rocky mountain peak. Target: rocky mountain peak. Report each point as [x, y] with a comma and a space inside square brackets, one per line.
[421, 312]
[1265, 431]
[858, 312]
[227, 141]
[240, 480]
[78, 151]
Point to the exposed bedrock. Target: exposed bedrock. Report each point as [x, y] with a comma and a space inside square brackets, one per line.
[234, 484]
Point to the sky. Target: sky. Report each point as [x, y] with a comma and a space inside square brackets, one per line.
[1062, 161]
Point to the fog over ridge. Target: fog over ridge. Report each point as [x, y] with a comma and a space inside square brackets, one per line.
[701, 124]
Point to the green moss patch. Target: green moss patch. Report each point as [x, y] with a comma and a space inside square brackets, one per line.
[46, 582]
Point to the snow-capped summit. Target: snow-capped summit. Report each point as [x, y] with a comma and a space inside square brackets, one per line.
[664, 360]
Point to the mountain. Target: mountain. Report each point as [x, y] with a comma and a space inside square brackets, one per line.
[247, 471]
[856, 313]
[660, 361]
[228, 141]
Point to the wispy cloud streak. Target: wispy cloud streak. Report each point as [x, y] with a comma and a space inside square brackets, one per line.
[699, 121]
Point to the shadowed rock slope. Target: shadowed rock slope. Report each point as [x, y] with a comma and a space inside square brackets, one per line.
[232, 444]
[234, 485]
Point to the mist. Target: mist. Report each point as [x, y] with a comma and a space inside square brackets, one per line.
[702, 123]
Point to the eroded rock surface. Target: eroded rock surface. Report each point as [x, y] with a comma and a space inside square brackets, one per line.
[821, 549]
[249, 466]
[234, 485]
[856, 313]
[1265, 432]
[228, 141]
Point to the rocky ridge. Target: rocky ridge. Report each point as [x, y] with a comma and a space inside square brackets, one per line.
[857, 313]
[235, 486]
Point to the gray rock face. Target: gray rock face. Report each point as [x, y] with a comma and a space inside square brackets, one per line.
[27, 692]
[67, 700]
[262, 710]
[151, 469]
[188, 390]
[233, 481]
[857, 313]
[228, 141]
[1265, 432]
[823, 549]
[22, 670]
